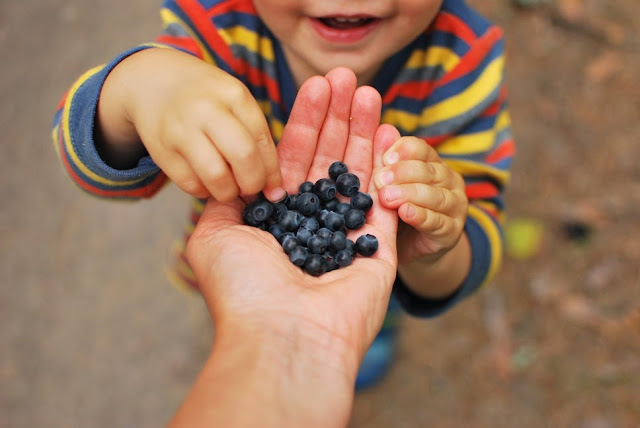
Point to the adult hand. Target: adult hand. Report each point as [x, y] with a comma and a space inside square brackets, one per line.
[318, 327]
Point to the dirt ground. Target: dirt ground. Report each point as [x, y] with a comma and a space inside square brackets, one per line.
[93, 335]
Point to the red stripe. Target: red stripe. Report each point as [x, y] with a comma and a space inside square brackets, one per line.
[452, 24]
[474, 57]
[143, 192]
[258, 78]
[185, 43]
[415, 90]
[506, 150]
[242, 6]
[481, 191]
[201, 21]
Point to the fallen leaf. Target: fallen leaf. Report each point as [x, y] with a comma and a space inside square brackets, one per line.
[603, 67]
[571, 10]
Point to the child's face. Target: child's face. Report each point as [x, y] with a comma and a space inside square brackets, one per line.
[359, 34]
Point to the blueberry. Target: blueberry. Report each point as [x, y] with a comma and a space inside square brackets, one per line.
[305, 187]
[325, 189]
[367, 245]
[336, 169]
[315, 265]
[303, 234]
[290, 220]
[362, 201]
[310, 223]
[284, 236]
[261, 209]
[354, 219]
[321, 215]
[308, 203]
[342, 208]
[343, 258]
[292, 202]
[276, 231]
[289, 243]
[348, 184]
[334, 221]
[338, 241]
[248, 218]
[329, 258]
[324, 232]
[317, 244]
[298, 255]
[351, 247]
[278, 209]
[331, 204]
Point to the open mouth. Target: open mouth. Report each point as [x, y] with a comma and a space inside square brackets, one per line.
[346, 23]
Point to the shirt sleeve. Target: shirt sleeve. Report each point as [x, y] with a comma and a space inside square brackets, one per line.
[74, 121]
[468, 111]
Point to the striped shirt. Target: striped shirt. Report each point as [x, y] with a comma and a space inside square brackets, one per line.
[446, 87]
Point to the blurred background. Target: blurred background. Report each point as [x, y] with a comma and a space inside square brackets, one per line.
[92, 334]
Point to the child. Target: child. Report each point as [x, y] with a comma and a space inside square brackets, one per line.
[192, 106]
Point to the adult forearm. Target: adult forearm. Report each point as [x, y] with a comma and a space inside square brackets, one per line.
[440, 277]
[255, 378]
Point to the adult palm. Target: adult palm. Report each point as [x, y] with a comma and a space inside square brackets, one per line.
[245, 276]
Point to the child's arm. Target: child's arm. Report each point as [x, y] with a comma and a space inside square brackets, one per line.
[201, 126]
[450, 198]
[116, 115]
[433, 252]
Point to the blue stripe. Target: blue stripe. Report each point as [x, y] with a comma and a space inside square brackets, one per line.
[478, 24]
[458, 86]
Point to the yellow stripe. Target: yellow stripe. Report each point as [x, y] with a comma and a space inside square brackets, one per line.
[468, 144]
[503, 121]
[277, 128]
[67, 132]
[168, 17]
[469, 168]
[432, 57]
[179, 283]
[487, 224]
[465, 101]
[250, 39]
[400, 119]
[54, 136]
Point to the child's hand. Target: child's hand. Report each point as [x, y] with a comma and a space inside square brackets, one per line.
[201, 126]
[429, 196]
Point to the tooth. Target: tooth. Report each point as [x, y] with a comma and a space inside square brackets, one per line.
[349, 20]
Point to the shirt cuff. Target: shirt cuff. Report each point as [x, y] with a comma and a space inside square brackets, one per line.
[480, 263]
[81, 122]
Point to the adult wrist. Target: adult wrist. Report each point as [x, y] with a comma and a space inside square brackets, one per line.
[296, 373]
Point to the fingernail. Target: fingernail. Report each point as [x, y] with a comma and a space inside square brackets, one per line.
[392, 193]
[384, 178]
[277, 194]
[391, 158]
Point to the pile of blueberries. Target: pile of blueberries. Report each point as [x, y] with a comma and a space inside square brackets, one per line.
[312, 225]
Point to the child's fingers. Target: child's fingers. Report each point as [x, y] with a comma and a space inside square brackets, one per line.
[297, 146]
[433, 198]
[415, 171]
[434, 223]
[410, 148]
[238, 148]
[365, 112]
[211, 169]
[335, 129]
[247, 112]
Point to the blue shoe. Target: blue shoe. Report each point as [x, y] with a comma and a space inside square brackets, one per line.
[377, 361]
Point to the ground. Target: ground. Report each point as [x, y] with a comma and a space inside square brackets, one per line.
[93, 335]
